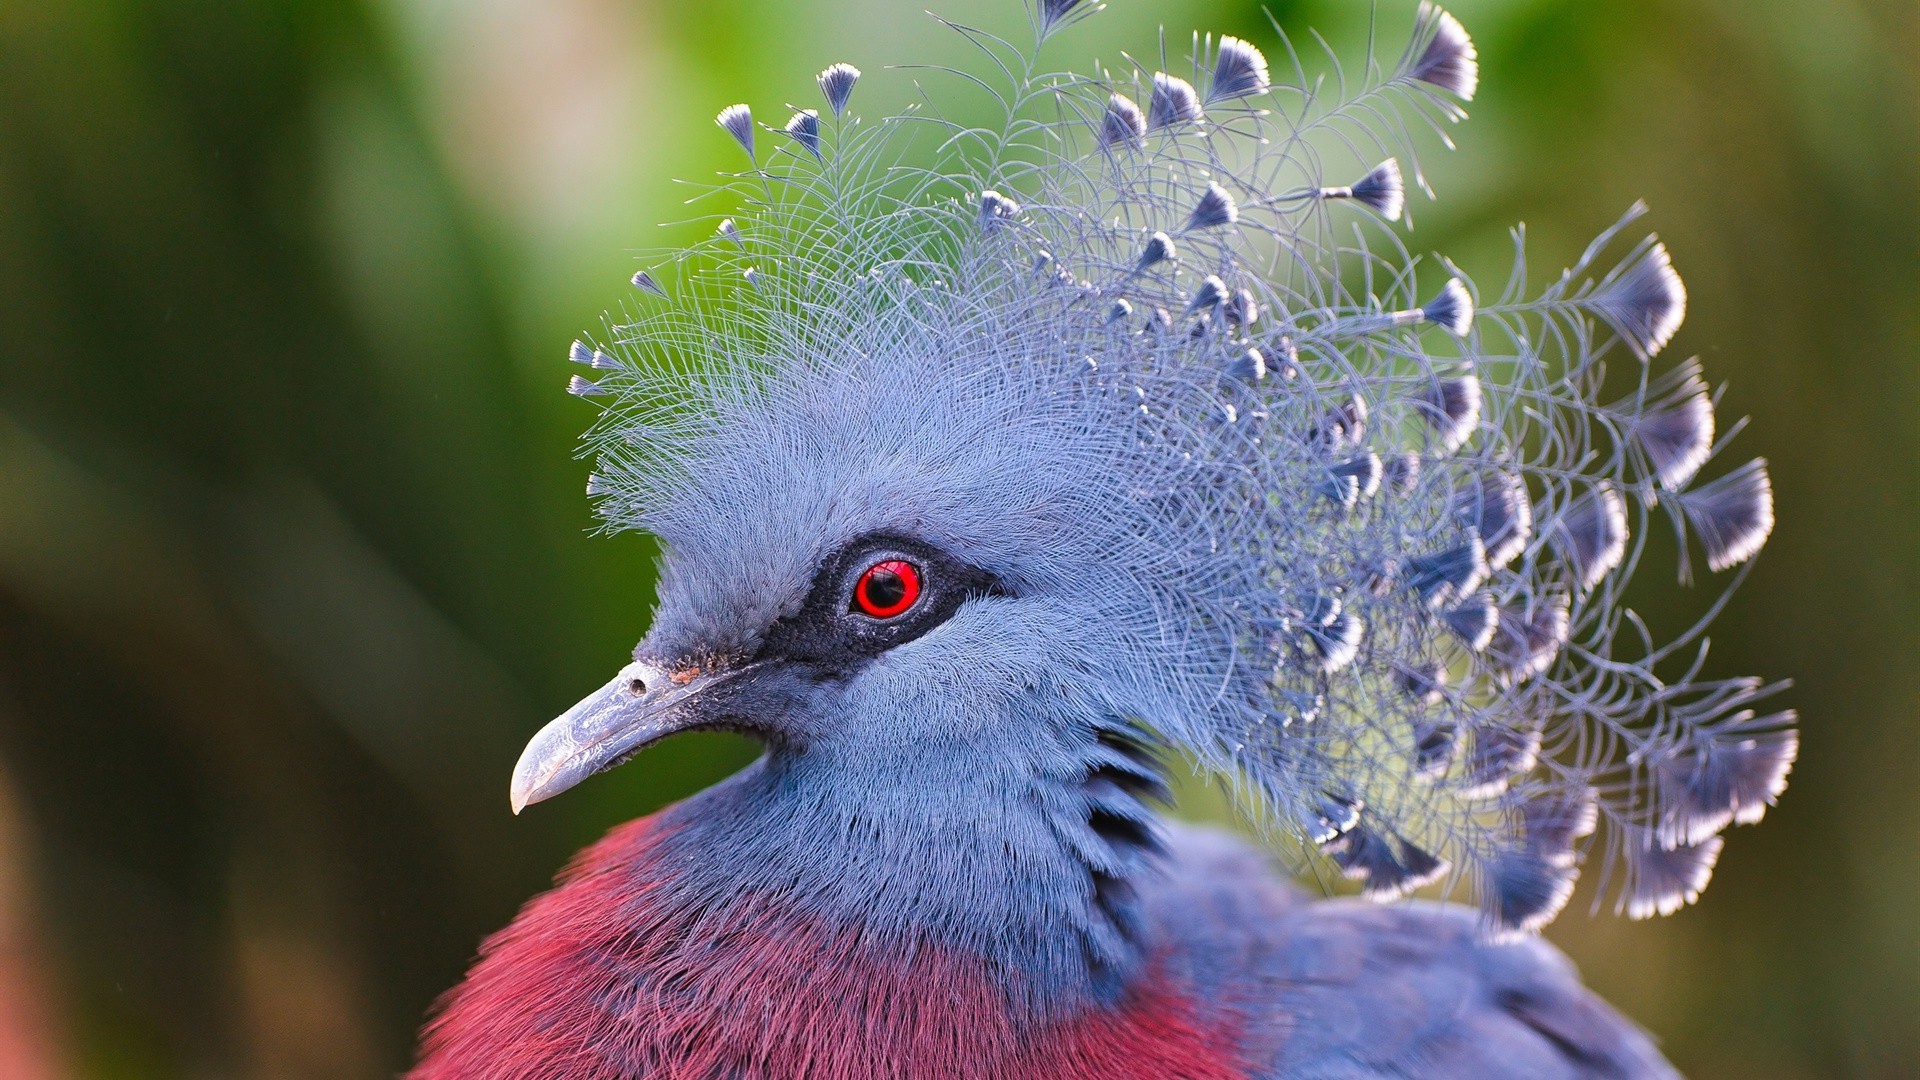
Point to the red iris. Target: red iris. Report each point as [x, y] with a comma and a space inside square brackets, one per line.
[887, 589]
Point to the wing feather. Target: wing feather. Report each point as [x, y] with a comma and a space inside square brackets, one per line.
[1343, 988]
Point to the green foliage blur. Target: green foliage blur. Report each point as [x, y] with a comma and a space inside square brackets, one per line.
[294, 554]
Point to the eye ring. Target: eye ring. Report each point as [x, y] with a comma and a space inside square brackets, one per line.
[887, 589]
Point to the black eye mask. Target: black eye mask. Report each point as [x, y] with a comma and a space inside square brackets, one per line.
[833, 629]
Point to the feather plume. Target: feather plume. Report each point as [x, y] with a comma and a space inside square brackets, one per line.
[1452, 310]
[1592, 534]
[1444, 55]
[1732, 516]
[1452, 406]
[1158, 249]
[1675, 429]
[1123, 124]
[1726, 771]
[836, 85]
[1643, 300]
[804, 128]
[1382, 190]
[737, 121]
[1239, 70]
[1173, 103]
[1661, 880]
[1215, 209]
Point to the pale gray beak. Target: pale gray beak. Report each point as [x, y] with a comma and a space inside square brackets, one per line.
[642, 704]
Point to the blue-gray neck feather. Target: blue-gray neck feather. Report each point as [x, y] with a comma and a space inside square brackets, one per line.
[1032, 873]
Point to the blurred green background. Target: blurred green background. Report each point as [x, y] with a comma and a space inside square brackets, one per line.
[294, 555]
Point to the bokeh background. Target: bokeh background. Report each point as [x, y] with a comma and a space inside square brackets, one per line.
[294, 555]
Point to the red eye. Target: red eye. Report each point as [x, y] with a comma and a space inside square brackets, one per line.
[887, 589]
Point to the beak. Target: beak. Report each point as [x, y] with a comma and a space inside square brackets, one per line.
[642, 705]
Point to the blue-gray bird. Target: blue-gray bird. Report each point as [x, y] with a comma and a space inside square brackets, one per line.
[1001, 468]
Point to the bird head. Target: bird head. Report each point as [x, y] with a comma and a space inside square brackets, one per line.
[898, 554]
[1085, 431]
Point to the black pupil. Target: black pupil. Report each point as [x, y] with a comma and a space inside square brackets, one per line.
[885, 588]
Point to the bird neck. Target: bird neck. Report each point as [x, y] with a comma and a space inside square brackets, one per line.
[1029, 879]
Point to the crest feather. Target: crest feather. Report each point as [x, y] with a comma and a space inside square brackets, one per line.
[1154, 369]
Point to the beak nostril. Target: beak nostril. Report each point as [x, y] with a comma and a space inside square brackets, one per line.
[637, 687]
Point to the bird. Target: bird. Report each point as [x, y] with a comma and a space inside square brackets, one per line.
[1017, 452]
